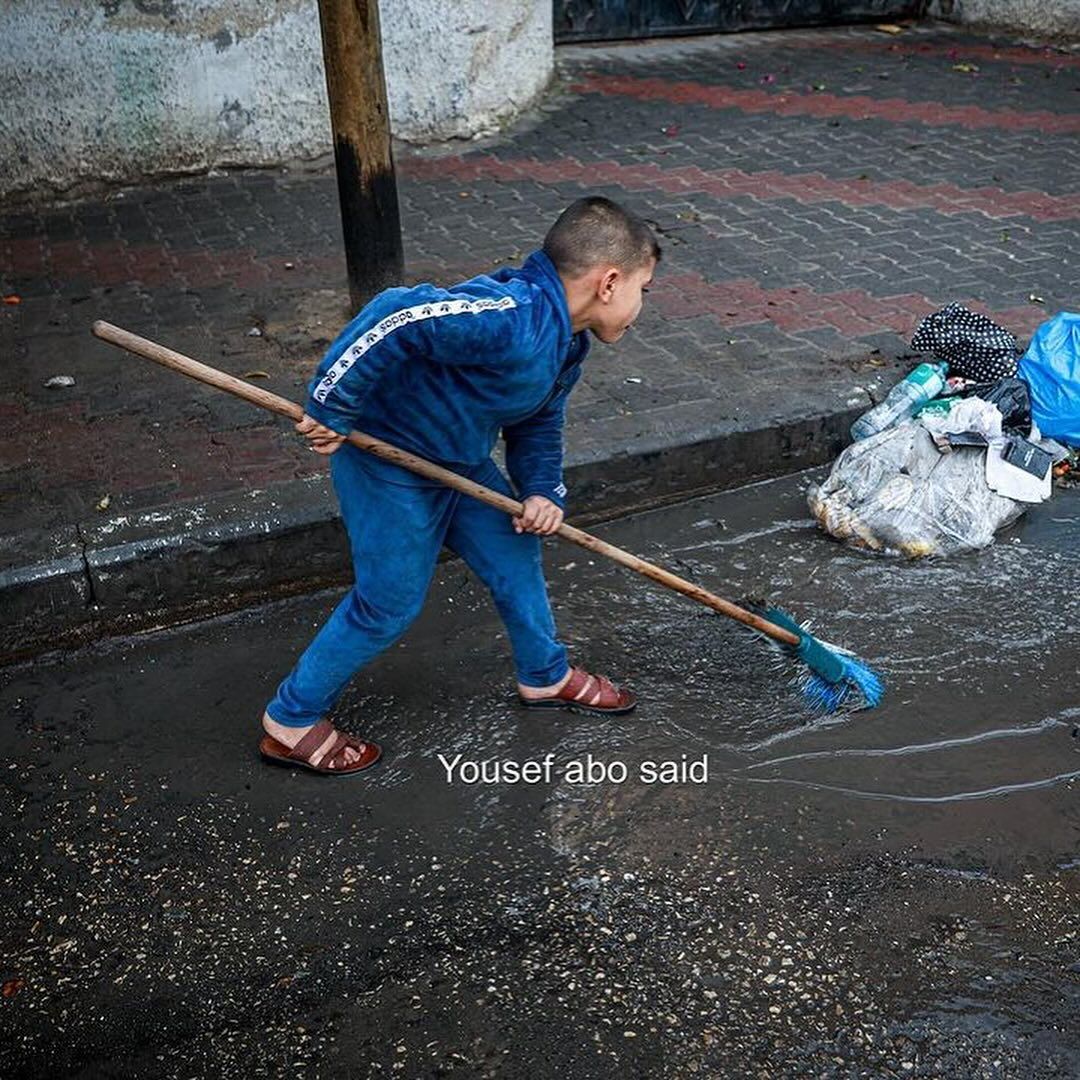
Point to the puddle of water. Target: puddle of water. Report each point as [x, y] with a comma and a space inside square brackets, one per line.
[980, 656]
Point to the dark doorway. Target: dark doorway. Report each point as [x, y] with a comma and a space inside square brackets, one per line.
[610, 20]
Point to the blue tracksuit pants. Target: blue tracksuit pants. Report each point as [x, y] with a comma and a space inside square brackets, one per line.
[397, 523]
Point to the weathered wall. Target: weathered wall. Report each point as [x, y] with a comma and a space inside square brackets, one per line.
[1046, 18]
[456, 68]
[121, 89]
[113, 90]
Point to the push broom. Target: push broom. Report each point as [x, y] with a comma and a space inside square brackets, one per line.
[828, 675]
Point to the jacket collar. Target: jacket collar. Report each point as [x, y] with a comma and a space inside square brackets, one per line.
[542, 270]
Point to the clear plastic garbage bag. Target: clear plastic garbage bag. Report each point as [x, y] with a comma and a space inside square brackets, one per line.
[896, 493]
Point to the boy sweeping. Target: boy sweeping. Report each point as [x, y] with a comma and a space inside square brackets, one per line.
[440, 372]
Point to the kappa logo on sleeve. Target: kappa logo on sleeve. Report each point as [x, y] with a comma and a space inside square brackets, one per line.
[392, 322]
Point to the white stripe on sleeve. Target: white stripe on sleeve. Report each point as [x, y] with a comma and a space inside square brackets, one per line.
[398, 319]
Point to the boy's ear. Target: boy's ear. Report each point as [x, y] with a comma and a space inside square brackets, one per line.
[605, 287]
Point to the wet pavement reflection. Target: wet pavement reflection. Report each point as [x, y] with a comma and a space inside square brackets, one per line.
[884, 892]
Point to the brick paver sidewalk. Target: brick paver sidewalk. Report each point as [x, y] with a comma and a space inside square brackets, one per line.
[817, 192]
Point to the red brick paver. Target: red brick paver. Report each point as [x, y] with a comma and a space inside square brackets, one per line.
[826, 106]
[803, 187]
[855, 313]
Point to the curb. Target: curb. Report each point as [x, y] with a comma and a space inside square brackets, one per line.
[178, 563]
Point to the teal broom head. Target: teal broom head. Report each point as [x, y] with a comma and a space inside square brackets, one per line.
[831, 676]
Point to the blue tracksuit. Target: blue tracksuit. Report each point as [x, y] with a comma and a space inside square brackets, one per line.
[440, 372]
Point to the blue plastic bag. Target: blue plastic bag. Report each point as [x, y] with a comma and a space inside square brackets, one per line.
[1051, 368]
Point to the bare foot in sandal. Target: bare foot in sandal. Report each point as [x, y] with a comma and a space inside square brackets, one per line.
[580, 692]
[532, 693]
[334, 752]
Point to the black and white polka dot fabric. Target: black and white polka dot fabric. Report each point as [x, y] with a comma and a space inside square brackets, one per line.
[975, 347]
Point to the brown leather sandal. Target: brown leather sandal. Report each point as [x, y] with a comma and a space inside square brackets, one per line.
[585, 693]
[332, 762]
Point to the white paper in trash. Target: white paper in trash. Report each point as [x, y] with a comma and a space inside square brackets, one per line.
[969, 414]
[1013, 482]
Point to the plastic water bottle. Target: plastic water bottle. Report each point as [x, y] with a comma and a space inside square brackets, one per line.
[922, 385]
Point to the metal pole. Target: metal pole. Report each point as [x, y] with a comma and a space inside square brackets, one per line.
[352, 52]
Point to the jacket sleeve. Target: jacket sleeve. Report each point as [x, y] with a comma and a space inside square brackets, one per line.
[444, 328]
[534, 452]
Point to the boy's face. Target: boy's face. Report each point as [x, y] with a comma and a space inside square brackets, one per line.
[618, 300]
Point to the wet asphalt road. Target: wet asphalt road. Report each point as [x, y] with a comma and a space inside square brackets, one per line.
[887, 893]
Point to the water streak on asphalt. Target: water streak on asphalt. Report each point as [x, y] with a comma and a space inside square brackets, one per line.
[923, 748]
[955, 796]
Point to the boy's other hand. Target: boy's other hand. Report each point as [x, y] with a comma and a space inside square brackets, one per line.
[540, 516]
[322, 440]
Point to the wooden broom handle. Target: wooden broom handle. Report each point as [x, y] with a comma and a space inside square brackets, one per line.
[150, 350]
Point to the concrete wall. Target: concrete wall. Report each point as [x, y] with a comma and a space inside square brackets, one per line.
[458, 67]
[1046, 18]
[122, 89]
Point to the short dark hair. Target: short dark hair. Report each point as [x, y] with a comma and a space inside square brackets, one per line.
[596, 230]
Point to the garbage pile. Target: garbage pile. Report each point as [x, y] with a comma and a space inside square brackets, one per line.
[963, 445]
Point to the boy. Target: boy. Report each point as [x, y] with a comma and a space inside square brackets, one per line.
[439, 373]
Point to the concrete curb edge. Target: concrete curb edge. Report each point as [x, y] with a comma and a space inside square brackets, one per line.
[175, 564]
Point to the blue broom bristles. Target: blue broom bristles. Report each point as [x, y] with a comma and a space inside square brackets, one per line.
[825, 696]
[831, 675]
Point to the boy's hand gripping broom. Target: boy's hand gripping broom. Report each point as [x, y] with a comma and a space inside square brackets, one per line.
[828, 674]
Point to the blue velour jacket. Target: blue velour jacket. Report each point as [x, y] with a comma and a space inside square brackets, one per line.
[440, 372]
